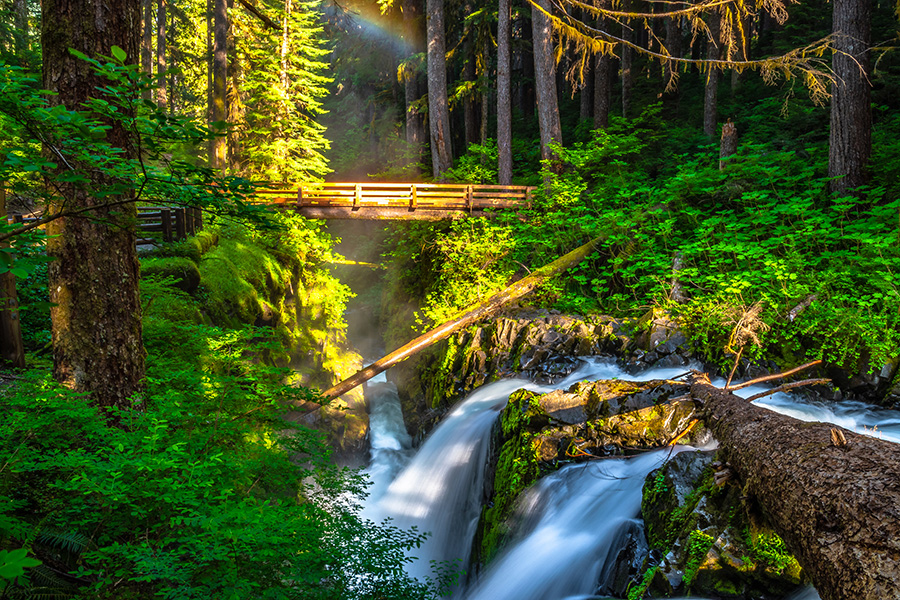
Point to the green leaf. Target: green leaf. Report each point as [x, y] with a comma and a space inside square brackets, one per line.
[14, 563]
[119, 54]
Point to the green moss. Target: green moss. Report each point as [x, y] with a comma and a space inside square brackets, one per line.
[637, 592]
[665, 521]
[518, 466]
[698, 547]
[182, 269]
[770, 552]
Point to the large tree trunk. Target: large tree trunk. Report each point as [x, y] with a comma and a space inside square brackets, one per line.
[674, 45]
[219, 146]
[96, 317]
[504, 95]
[161, 98]
[438, 111]
[586, 96]
[850, 144]
[22, 34]
[710, 99]
[545, 79]
[12, 350]
[602, 90]
[833, 495]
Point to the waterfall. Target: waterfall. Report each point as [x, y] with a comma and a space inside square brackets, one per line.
[577, 514]
[573, 520]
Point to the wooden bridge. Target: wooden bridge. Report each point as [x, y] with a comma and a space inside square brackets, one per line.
[421, 201]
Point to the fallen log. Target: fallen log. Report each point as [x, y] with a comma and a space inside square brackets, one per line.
[482, 310]
[832, 495]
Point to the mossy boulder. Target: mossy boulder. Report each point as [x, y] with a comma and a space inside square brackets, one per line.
[712, 542]
[538, 432]
[182, 269]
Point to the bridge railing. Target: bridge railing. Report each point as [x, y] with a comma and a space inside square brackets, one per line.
[408, 196]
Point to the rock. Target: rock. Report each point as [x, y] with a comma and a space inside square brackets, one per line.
[627, 553]
[712, 542]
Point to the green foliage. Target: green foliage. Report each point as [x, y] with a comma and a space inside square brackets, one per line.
[517, 468]
[280, 86]
[698, 546]
[184, 271]
[477, 165]
[208, 493]
[762, 232]
[768, 549]
[637, 592]
[13, 564]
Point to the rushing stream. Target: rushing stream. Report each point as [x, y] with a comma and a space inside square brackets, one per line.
[573, 520]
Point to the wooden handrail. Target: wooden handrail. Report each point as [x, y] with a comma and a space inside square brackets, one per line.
[357, 196]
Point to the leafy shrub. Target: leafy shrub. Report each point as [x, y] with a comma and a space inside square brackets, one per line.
[206, 494]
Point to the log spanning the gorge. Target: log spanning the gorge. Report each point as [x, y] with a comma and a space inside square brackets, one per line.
[833, 495]
[403, 201]
[482, 310]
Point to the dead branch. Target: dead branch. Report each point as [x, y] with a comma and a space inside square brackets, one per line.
[787, 386]
[775, 376]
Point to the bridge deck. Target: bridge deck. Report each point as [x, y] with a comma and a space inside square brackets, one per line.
[423, 201]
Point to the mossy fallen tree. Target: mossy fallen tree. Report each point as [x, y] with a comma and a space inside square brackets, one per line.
[833, 495]
[481, 311]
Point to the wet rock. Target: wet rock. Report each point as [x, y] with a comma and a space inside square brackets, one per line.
[628, 552]
[712, 542]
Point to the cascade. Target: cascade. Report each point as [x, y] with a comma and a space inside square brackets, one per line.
[572, 521]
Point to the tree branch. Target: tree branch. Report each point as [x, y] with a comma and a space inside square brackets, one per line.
[259, 15]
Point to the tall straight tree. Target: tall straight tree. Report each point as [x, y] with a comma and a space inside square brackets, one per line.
[161, 13]
[504, 95]
[545, 78]
[96, 317]
[438, 109]
[711, 95]
[147, 44]
[850, 144]
[219, 103]
[415, 132]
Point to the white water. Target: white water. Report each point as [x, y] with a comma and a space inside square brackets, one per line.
[577, 513]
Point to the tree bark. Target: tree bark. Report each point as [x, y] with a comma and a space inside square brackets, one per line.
[481, 311]
[161, 98]
[545, 79]
[12, 350]
[674, 45]
[504, 95]
[627, 59]
[728, 143]
[438, 111]
[586, 96]
[96, 320]
[469, 119]
[147, 44]
[850, 143]
[219, 146]
[710, 99]
[22, 33]
[837, 505]
[602, 90]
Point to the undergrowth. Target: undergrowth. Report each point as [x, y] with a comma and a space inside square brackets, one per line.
[762, 231]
